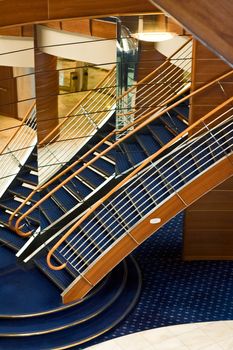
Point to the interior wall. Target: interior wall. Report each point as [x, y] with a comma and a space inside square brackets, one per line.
[82, 48]
[25, 89]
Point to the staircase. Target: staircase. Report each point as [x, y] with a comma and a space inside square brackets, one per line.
[194, 162]
[35, 320]
[94, 167]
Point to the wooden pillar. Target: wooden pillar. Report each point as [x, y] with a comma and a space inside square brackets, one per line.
[208, 226]
[8, 92]
[206, 67]
[47, 89]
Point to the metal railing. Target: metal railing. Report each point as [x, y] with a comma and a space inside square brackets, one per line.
[186, 157]
[137, 125]
[156, 89]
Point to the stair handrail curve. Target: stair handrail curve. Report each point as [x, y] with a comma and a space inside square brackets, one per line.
[142, 121]
[115, 132]
[188, 130]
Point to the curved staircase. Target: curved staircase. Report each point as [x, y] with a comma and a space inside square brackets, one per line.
[35, 318]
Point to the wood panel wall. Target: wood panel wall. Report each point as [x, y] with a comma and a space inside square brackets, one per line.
[47, 89]
[8, 92]
[24, 11]
[208, 227]
[149, 59]
[206, 67]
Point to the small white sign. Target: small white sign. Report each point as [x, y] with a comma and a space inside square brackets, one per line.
[155, 221]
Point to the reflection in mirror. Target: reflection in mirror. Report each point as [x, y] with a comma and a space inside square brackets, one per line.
[18, 135]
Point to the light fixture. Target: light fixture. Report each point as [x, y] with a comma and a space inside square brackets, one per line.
[153, 28]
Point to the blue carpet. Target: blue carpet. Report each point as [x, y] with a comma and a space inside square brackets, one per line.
[173, 291]
[19, 292]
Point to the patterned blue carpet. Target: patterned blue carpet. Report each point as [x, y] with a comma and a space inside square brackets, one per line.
[176, 292]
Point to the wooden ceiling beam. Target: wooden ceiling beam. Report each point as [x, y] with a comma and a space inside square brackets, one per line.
[209, 21]
[21, 12]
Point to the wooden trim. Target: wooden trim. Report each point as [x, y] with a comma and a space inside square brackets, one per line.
[190, 193]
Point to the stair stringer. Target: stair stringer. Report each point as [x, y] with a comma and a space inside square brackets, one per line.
[184, 197]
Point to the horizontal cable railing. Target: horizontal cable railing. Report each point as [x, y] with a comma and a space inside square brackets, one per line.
[189, 155]
[137, 125]
[155, 89]
[82, 121]
[19, 146]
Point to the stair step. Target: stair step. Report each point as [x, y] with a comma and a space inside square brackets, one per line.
[51, 210]
[122, 162]
[102, 165]
[182, 110]
[78, 313]
[134, 152]
[11, 239]
[24, 192]
[65, 331]
[28, 178]
[61, 277]
[174, 123]
[160, 133]
[12, 205]
[62, 196]
[148, 143]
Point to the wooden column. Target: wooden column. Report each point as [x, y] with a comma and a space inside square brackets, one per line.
[47, 89]
[8, 92]
[208, 227]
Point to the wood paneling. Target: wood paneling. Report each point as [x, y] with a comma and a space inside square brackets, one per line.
[210, 21]
[47, 89]
[80, 8]
[81, 26]
[144, 229]
[103, 29]
[208, 226]
[208, 223]
[21, 12]
[8, 92]
[206, 67]
[149, 59]
[15, 12]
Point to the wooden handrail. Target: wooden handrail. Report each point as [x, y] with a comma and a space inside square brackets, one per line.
[41, 187]
[144, 120]
[124, 181]
[43, 141]
[18, 127]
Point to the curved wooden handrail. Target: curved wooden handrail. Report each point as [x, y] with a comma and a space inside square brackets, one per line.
[18, 127]
[43, 141]
[124, 181]
[16, 228]
[142, 121]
